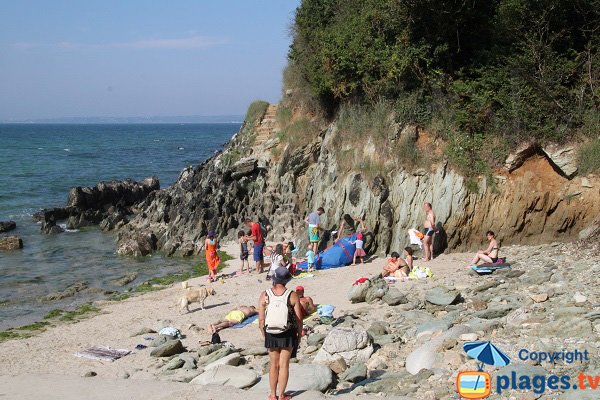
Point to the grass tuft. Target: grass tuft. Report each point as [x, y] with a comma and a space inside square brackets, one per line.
[589, 157]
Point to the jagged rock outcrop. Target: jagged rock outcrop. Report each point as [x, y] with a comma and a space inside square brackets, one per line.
[6, 226]
[107, 204]
[8, 243]
[532, 202]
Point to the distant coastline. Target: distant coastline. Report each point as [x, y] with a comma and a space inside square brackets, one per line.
[189, 119]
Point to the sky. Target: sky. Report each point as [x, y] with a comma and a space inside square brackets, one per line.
[140, 58]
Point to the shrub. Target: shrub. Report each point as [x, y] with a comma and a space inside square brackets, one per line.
[255, 112]
[589, 157]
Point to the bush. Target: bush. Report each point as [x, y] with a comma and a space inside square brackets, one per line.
[255, 112]
[589, 157]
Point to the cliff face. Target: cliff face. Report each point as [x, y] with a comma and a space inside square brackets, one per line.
[531, 201]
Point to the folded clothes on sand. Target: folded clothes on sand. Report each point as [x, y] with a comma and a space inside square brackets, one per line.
[102, 353]
[302, 275]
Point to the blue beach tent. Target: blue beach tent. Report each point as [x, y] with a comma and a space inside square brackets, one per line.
[339, 254]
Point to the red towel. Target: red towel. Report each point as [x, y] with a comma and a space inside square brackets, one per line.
[360, 280]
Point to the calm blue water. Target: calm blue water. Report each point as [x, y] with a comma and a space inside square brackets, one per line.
[40, 163]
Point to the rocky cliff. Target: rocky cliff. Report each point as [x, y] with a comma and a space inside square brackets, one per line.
[536, 198]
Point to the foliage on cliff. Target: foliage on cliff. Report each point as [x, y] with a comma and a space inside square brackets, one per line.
[482, 74]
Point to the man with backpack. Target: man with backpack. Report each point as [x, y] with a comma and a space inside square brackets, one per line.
[257, 238]
[280, 323]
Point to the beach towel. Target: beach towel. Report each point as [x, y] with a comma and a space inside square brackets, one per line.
[325, 310]
[302, 275]
[486, 269]
[420, 273]
[247, 321]
[414, 239]
[102, 353]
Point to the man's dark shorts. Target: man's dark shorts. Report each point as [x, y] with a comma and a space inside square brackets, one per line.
[258, 252]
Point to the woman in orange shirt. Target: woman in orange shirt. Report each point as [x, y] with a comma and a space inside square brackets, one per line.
[212, 257]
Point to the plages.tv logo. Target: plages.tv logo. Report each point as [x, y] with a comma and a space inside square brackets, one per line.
[478, 384]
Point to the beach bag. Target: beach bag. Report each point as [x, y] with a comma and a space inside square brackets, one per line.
[420, 273]
[277, 313]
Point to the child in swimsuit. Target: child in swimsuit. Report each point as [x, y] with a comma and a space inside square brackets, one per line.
[243, 252]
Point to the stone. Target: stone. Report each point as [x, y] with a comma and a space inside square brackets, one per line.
[337, 364]
[315, 339]
[303, 377]
[231, 359]
[377, 329]
[167, 349]
[190, 360]
[174, 363]
[9, 243]
[378, 288]
[355, 373]
[206, 350]
[393, 297]
[441, 296]
[469, 337]
[495, 312]
[310, 349]
[214, 356]
[352, 344]
[539, 298]
[143, 331]
[256, 351]
[159, 341]
[68, 292]
[518, 157]
[124, 280]
[579, 298]
[585, 182]
[563, 157]
[6, 226]
[227, 375]
[433, 326]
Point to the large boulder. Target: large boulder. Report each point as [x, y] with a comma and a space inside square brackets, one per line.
[170, 348]
[354, 345]
[377, 289]
[6, 226]
[9, 243]
[303, 377]
[232, 359]
[358, 292]
[425, 356]
[394, 297]
[227, 375]
[137, 245]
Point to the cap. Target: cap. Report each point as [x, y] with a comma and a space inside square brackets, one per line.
[281, 276]
[299, 288]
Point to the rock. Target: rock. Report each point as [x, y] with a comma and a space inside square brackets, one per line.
[303, 377]
[585, 182]
[394, 297]
[214, 356]
[123, 375]
[424, 356]
[337, 364]
[206, 350]
[579, 298]
[232, 359]
[9, 243]
[170, 348]
[175, 363]
[378, 328]
[6, 226]
[539, 298]
[124, 280]
[138, 245]
[433, 326]
[143, 331]
[355, 373]
[256, 351]
[495, 312]
[563, 157]
[469, 337]
[310, 349]
[441, 296]
[378, 288]
[89, 374]
[358, 292]
[315, 339]
[352, 344]
[160, 340]
[68, 292]
[227, 375]
[522, 153]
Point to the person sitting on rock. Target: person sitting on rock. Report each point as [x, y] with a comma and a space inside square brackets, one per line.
[394, 264]
[489, 255]
[308, 307]
[234, 317]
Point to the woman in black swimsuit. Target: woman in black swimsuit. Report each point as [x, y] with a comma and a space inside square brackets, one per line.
[489, 255]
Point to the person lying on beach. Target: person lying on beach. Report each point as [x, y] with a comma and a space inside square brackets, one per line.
[395, 266]
[308, 307]
[232, 318]
[489, 255]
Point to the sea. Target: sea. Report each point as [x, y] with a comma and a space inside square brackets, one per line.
[39, 163]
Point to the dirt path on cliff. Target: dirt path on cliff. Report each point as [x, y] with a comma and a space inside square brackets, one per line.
[51, 352]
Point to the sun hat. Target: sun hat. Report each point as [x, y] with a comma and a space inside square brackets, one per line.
[281, 276]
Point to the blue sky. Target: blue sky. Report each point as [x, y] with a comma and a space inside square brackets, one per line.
[140, 58]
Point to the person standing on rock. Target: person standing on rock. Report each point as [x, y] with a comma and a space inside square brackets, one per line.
[211, 244]
[314, 221]
[280, 323]
[259, 243]
[428, 231]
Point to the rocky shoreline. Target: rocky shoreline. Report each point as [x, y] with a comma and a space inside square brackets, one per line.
[401, 340]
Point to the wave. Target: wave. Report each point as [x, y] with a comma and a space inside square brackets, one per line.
[67, 149]
[71, 230]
